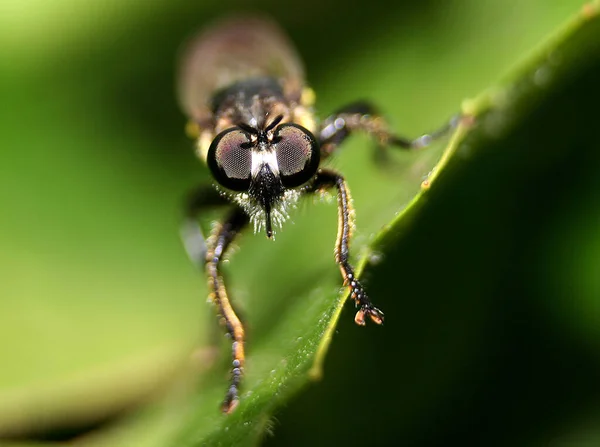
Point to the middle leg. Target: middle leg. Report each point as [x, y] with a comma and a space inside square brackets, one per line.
[363, 116]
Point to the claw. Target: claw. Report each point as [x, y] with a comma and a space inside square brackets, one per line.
[374, 314]
[359, 318]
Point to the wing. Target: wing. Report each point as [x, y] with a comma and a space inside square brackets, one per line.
[233, 50]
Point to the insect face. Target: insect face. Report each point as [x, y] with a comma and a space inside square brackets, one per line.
[264, 163]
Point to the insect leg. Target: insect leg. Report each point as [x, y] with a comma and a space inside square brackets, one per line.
[327, 179]
[220, 239]
[212, 253]
[364, 117]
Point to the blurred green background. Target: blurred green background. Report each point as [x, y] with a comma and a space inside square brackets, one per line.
[493, 304]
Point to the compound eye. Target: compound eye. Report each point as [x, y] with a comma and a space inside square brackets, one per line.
[230, 159]
[297, 154]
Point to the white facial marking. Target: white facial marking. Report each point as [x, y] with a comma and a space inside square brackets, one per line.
[262, 158]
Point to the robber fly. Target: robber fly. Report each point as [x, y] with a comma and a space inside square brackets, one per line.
[241, 84]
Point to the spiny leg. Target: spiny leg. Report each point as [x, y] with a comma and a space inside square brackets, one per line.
[211, 256]
[363, 116]
[220, 239]
[327, 179]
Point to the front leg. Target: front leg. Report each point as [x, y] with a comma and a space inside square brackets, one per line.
[210, 255]
[218, 243]
[363, 116]
[327, 179]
